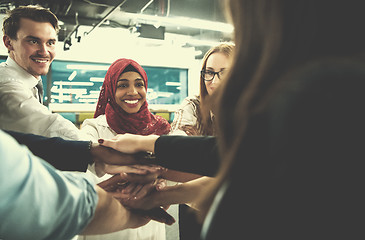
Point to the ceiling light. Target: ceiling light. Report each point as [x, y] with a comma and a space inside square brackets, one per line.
[72, 76]
[182, 21]
[175, 84]
[88, 67]
[73, 83]
[96, 79]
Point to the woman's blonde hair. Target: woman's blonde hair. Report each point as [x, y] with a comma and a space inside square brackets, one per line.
[205, 123]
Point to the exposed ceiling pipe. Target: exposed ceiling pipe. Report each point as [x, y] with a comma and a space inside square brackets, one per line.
[146, 6]
[181, 21]
[68, 8]
[67, 42]
[106, 17]
[168, 8]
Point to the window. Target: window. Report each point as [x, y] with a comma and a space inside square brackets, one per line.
[80, 83]
[75, 82]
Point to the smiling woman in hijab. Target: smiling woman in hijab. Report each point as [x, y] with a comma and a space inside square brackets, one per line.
[122, 105]
[123, 108]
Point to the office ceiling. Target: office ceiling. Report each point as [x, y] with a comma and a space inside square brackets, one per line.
[170, 16]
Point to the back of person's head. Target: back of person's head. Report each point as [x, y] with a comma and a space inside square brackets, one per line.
[11, 23]
[275, 38]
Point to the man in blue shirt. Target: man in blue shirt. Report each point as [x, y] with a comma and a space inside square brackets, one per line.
[40, 202]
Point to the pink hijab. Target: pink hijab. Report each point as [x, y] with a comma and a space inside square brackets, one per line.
[143, 122]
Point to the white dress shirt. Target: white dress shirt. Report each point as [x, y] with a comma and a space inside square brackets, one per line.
[97, 128]
[21, 110]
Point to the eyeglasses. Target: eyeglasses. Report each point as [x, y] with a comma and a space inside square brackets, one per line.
[208, 75]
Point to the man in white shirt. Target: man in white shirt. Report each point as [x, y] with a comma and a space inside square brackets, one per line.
[30, 34]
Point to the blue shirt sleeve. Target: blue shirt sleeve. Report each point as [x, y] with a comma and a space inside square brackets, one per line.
[38, 201]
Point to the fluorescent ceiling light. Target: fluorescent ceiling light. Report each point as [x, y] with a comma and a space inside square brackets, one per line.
[73, 83]
[175, 84]
[87, 67]
[72, 76]
[165, 94]
[96, 79]
[87, 100]
[70, 91]
[198, 53]
[93, 96]
[184, 39]
[183, 22]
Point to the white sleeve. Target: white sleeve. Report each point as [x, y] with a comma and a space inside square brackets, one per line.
[186, 115]
[89, 128]
[21, 111]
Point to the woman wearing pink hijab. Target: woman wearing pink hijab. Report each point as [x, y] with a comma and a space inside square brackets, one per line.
[122, 108]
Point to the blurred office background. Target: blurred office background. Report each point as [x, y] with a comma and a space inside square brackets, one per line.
[167, 37]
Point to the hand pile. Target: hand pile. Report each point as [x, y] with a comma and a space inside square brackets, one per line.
[135, 187]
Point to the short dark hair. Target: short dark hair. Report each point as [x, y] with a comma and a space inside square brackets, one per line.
[11, 23]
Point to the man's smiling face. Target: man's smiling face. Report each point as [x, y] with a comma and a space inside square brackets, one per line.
[34, 48]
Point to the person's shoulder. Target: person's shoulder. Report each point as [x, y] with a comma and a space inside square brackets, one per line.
[9, 78]
[96, 128]
[7, 74]
[190, 102]
[10, 86]
[99, 121]
[192, 99]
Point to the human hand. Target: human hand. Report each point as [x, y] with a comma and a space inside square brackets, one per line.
[138, 175]
[110, 216]
[190, 130]
[185, 193]
[136, 219]
[122, 189]
[108, 160]
[148, 197]
[139, 191]
[138, 195]
[158, 214]
[130, 143]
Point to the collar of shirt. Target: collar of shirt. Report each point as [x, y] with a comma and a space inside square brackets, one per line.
[22, 75]
[101, 120]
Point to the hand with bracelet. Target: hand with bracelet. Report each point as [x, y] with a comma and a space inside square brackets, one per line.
[187, 192]
[108, 160]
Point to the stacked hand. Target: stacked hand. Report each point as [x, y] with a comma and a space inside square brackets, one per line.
[138, 182]
[140, 187]
[190, 130]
